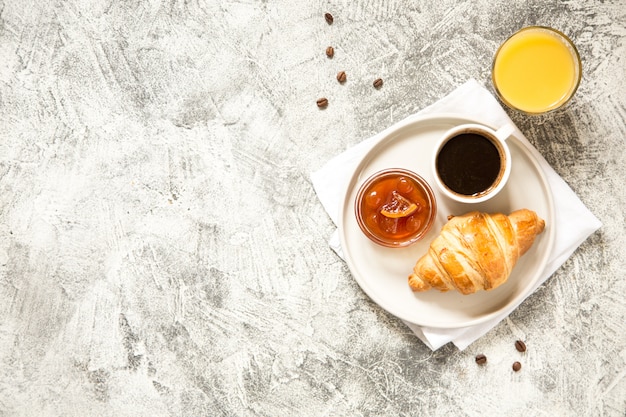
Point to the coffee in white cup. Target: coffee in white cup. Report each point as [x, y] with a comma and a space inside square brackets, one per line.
[472, 162]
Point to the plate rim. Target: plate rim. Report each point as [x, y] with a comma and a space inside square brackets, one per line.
[387, 135]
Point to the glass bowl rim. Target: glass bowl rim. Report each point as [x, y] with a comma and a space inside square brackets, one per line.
[425, 187]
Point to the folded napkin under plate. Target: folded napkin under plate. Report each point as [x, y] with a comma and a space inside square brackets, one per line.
[573, 224]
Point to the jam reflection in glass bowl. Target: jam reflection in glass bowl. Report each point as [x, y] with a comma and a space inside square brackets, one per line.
[395, 207]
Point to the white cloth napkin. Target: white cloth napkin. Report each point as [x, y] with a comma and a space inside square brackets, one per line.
[574, 222]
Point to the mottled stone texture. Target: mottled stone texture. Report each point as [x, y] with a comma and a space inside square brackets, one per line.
[162, 252]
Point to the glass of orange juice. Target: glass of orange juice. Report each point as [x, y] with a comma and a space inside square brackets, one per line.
[536, 70]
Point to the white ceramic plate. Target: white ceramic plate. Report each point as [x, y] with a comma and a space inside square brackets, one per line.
[383, 272]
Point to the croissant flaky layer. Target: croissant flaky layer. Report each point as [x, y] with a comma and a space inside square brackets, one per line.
[476, 251]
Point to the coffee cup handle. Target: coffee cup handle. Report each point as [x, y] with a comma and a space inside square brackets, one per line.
[505, 132]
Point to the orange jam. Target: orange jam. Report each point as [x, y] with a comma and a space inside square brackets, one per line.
[395, 208]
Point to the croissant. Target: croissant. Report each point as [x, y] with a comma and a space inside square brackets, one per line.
[476, 251]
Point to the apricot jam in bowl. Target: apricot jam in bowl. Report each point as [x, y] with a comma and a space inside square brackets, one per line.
[395, 207]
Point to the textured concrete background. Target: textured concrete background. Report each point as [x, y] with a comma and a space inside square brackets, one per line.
[162, 252]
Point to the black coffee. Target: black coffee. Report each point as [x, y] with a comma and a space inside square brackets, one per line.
[469, 164]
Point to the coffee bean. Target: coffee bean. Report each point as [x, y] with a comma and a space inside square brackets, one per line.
[520, 346]
[322, 102]
[329, 18]
[330, 52]
[341, 76]
[481, 359]
[517, 366]
[378, 82]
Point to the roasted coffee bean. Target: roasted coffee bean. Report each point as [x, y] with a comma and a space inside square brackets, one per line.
[330, 52]
[517, 366]
[378, 82]
[520, 346]
[481, 359]
[329, 18]
[341, 76]
[322, 102]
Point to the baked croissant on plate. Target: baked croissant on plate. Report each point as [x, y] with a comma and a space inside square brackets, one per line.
[476, 251]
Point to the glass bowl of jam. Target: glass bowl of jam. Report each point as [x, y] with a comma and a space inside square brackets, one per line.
[395, 207]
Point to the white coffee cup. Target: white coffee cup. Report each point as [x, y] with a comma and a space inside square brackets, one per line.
[472, 162]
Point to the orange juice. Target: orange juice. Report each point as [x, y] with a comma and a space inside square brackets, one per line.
[536, 70]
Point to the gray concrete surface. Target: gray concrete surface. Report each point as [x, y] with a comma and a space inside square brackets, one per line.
[162, 251]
